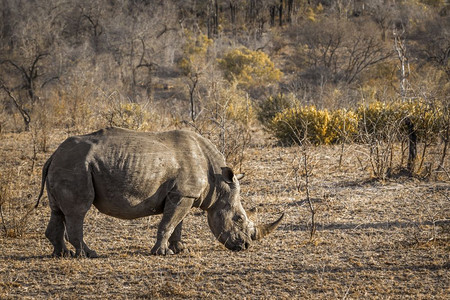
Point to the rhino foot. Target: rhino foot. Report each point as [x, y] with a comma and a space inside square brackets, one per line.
[178, 247]
[161, 251]
[86, 253]
[91, 254]
[63, 253]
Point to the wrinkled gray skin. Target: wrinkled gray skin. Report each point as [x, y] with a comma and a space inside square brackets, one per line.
[129, 175]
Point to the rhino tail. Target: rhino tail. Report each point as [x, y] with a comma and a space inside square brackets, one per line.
[44, 177]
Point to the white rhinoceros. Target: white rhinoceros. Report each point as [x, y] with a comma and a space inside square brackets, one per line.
[129, 175]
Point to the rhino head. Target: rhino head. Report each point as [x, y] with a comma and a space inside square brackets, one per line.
[227, 218]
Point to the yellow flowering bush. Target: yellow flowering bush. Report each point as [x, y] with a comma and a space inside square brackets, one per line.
[195, 51]
[343, 125]
[249, 68]
[427, 118]
[301, 123]
[376, 120]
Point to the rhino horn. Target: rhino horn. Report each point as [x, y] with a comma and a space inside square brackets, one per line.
[264, 229]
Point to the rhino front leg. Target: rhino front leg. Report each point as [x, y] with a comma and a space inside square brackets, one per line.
[175, 243]
[175, 209]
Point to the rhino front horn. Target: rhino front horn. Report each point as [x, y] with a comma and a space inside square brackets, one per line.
[264, 229]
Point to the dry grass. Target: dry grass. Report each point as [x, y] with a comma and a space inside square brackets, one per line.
[374, 240]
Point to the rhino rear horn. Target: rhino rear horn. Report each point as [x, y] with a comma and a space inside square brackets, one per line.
[264, 229]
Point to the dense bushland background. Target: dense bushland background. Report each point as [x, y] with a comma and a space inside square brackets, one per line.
[321, 72]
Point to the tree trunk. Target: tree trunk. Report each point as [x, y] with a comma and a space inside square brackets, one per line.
[216, 18]
[290, 6]
[26, 117]
[191, 95]
[280, 12]
[412, 137]
[446, 139]
[232, 13]
[272, 15]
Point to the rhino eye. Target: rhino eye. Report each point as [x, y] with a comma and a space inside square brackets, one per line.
[238, 218]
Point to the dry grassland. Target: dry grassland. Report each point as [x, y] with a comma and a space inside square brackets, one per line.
[376, 240]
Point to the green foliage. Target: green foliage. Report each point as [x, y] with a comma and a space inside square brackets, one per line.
[314, 125]
[378, 119]
[426, 117]
[249, 68]
[273, 105]
[382, 120]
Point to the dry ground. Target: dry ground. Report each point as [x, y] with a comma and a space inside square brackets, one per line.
[385, 240]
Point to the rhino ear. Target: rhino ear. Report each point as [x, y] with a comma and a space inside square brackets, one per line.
[227, 174]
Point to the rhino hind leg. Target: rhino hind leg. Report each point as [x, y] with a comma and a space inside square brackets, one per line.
[74, 227]
[70, 203]
[55, 234]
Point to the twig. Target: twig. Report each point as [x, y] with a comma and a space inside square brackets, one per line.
[3, 220]
[308, 198]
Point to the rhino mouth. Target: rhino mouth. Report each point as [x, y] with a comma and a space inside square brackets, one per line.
[237, 246]
[240, 247]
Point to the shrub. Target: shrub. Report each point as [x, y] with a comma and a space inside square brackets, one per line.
[314, 125]
[227, 117]
[376, 121]
[294, 125]
[249, 68]
[128, 115]
[273, 105]
[426, 117]
[13, 214]
[195, 51]
[383, 120]
[343, 126]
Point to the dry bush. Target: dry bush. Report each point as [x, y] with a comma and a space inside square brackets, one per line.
[305, 169]
[381, 126]
[226, 120]
[378, 131]
[249, 68]
[10, 121]
[127, 115]
[43, 120]
[119, 111]
[13, 212]
[433, 230]
[385, 125]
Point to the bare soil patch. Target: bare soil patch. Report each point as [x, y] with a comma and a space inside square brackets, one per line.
[385, 240]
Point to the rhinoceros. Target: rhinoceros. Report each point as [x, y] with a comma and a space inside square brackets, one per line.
[128, 175]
